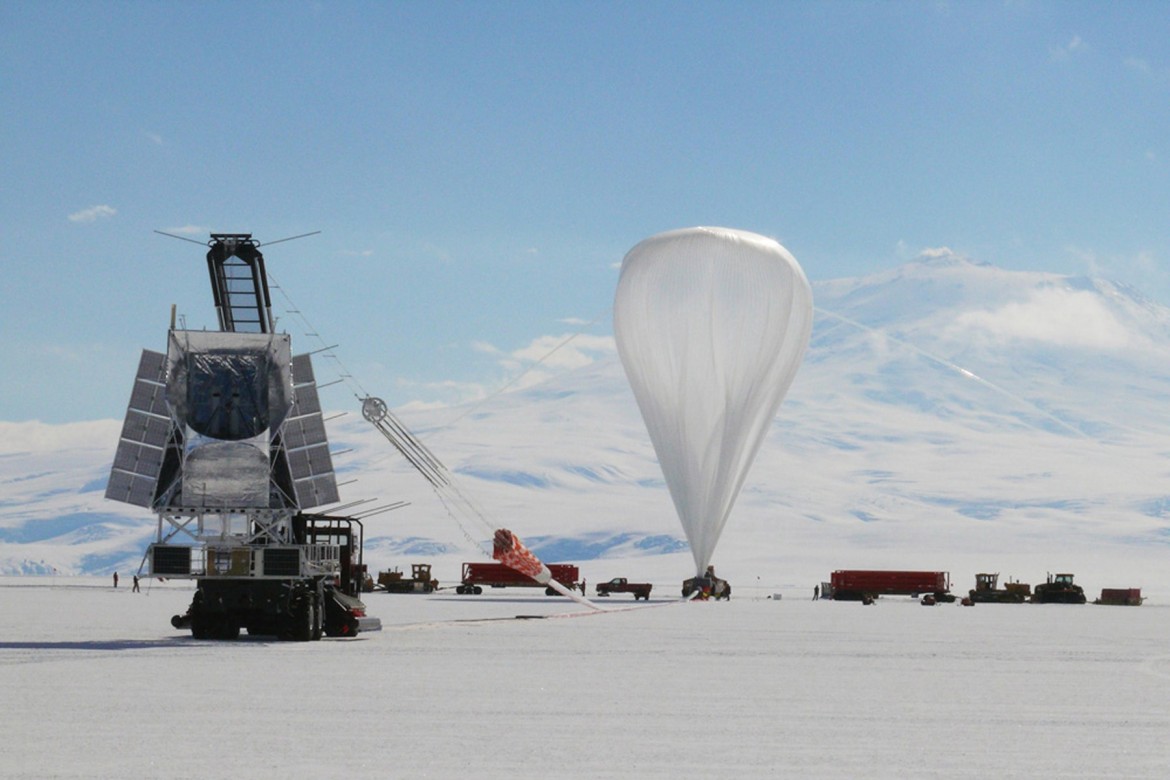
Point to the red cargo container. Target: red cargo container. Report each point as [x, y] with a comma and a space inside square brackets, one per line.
[497, 575]
[1121, 597]
[857, 584]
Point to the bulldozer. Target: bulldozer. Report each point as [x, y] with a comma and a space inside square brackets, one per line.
[395, 581]
[1059, 589]
[986, 590]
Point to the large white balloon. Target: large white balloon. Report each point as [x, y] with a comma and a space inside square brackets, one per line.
[711, 325]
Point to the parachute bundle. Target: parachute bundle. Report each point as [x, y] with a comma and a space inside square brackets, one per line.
[508, 550]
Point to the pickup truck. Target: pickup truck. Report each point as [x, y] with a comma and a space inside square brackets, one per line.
[641, 590]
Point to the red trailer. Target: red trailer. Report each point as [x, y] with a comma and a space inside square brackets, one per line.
[1121, 597]
[497, 575]
[860, 584]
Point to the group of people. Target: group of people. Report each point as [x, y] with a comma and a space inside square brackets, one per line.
[133, 589]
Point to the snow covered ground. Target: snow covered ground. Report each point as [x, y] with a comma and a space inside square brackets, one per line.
[97, 685]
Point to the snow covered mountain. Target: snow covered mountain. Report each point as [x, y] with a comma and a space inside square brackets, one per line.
[949, 414]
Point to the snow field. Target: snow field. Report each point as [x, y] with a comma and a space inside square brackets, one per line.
[97, 684]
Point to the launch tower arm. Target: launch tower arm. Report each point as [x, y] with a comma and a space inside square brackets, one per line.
[239, 283]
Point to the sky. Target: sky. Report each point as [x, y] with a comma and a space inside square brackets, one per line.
[477, 170]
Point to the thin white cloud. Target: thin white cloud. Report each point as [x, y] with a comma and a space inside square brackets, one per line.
[1067, 51]
[154, 138]
[187, 230]
[444, 393]
[486, 348]
[1143, 265]
[565, 352]
[1053, 316]
[540, 360]
[935, 252]
[437, 252]
[93, 213]
[1139, 65]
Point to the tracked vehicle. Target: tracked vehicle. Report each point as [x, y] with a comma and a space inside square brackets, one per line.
[225, 442]
[987, 590]
[419, 581]
[1059, 589]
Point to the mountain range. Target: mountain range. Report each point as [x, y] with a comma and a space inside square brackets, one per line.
[949, 414]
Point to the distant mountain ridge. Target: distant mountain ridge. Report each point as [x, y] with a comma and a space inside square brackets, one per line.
[947, 410]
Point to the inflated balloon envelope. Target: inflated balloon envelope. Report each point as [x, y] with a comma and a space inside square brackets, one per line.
[711, 325]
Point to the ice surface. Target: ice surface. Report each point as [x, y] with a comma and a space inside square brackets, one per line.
[97, 685]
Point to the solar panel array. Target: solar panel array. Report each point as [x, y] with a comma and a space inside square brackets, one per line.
[305, 443]
[139, 456]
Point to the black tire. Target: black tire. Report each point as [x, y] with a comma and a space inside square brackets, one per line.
[227, 629]
[477, 590]
[304, 620]
[298, 623]
[201, 624]
[318, 621]
[201, 627]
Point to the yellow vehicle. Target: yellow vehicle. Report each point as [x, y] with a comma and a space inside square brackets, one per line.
[394, 581]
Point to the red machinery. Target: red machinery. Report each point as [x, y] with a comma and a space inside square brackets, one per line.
[497, 575]
[860, 584]
[1121, 597]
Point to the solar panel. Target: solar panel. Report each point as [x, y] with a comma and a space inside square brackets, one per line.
[130, 488]
[140, 427]
[139, 456]
[310, 461]
[317, 491]
[304, 431]
[307, 401]
[302, 371]
[305, 441]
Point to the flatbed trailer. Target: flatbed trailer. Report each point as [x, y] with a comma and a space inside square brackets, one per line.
[496, 575]
[866, 584]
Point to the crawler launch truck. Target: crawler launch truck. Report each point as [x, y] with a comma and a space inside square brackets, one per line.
[225, 442]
